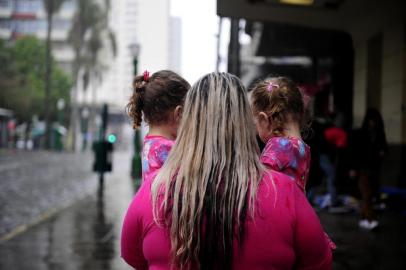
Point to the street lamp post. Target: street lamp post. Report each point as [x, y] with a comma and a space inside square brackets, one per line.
[60, 105]
[85, 122]
[136, 171]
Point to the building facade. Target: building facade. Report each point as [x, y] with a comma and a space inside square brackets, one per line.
[368, 40]
[147, 24]
[115, 85]
[175, 44]
[27, 17]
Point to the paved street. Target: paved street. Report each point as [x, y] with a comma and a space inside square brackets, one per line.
[86, 234]
[37, 183]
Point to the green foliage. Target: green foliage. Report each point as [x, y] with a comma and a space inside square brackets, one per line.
[22, 76]
[91, 18]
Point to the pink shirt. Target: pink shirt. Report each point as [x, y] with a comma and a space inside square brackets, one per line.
[154, 153]
[290, 156]
[285, 233]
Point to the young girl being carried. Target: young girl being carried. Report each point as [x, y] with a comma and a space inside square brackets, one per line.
[279, 111]
[158, 100]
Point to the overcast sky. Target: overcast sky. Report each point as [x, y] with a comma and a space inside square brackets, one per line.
[199, 29]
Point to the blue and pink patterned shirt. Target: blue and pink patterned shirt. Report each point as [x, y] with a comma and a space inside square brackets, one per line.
[154, 153]
[290, 156]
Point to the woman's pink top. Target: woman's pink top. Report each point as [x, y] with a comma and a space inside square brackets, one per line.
[284, 234]
[154, 153]
[290, 156]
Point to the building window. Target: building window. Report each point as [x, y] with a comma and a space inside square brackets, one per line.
[5, 3]
[68, 5]
[61, 24]
[5, 24]
[26, 26]
[28, 6]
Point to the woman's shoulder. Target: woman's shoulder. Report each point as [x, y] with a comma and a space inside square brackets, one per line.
[280, 182]
[276, 197]
[142, 199]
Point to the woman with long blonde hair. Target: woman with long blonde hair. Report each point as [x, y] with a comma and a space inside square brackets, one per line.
[212, 205]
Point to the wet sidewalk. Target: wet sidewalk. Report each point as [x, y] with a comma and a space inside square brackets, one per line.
[86, 235]
[358, 249]
[35, 184]
[83, 236]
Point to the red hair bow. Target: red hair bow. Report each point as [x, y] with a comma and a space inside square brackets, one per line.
[146, 76]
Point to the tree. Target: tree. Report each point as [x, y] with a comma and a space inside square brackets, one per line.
[51, 7]
[87, 36]
[8, 71]
[23, 68]
[101, 43]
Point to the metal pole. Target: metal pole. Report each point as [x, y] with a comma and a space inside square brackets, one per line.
[103, 128]
[48, 76]
[218, 44]
[101, 183]
[234, 48]
[136, 171]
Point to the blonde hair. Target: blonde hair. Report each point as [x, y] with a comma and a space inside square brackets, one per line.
[211, 176]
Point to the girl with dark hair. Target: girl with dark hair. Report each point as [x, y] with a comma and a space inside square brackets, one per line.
[367, 148]
[213, 205]
[157, 99]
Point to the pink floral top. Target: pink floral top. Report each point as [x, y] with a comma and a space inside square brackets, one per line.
[290, 156]
[154, 153]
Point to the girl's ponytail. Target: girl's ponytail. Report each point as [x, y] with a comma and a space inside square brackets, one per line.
[280, 98]
[135, 106]
[155, 96]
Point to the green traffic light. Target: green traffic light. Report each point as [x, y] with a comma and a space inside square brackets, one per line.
[112, 138]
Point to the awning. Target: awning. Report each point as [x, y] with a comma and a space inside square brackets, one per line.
[287, 40]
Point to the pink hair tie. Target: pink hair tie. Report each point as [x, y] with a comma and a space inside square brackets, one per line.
[146, 76]
[271, 85]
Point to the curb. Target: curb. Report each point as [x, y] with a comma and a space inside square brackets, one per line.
[41, 218]
[22, 228]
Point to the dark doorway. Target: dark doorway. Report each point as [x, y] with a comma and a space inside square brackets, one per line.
[329, 77]
[374, 72]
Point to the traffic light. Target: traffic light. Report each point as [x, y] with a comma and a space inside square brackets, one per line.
[103, 160]
[112, 138]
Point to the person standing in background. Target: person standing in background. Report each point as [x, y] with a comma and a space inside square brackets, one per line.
[367, 148]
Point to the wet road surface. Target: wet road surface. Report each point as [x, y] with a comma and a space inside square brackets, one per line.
[381, 249]
[86, 235]
[82, 236]
[36, 183]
